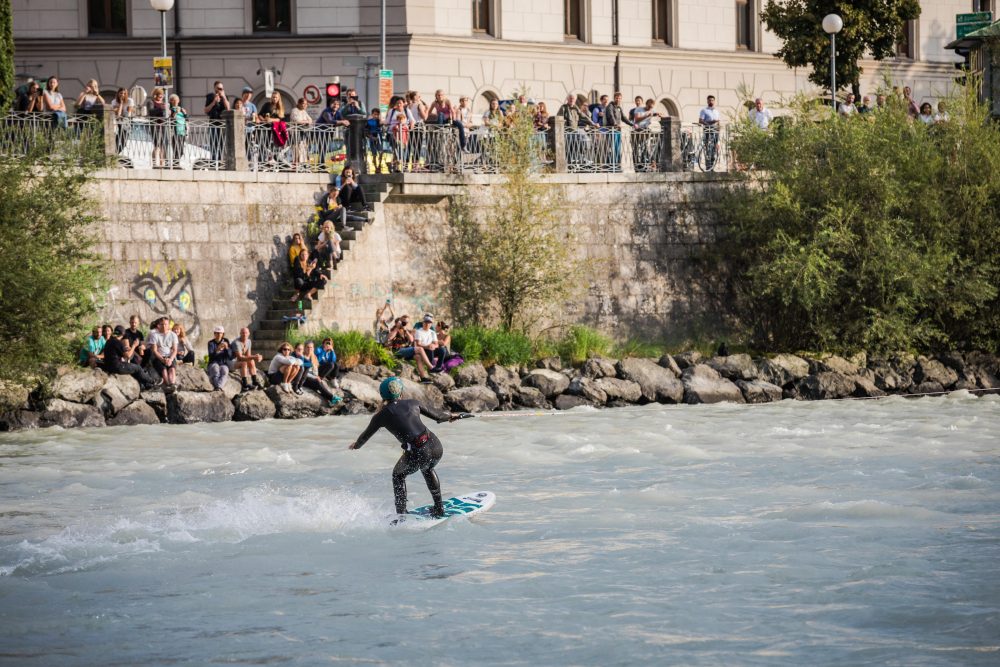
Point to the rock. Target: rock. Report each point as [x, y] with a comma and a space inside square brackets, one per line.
[443, 381]
[197, 407]
[931, 370]
[78, 385]
[19, 420]
[783, 369]
[903, 363]
[983, 360]
[231, 387]
[568, 402]
[703, 384]
[759, 391]
[927, 387]
[59, 412]
[297, 406]
[686, 360]
[529, 397]
[550, 383]
[134, 414]
[967, 379]
[470, 374]
[886, 378]
[735, 367]
[126, 384]
[550, 363]
[826, 384]
[598, 367]
[157, 400]
[353, 407]
[374, 372]
[192, 378]
[668, 362]
[253, 406]
[406, 372]
[617, 389]
[361, 388]
[865, 387]
[505, 383]
[588, 390]
[859, 359]
[426, 394]
[119, 391]
[656, 382]
[839, 365]
[474, 398]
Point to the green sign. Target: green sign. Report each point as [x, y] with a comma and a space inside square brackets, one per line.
[384, 89]
[975, 17]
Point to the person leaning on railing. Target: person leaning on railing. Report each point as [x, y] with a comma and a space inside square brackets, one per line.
[90, 101]
[300, 121]
[400, 123]
[443, 113]
[216, 104]
[53, 102]
[158, 112]
[30, 99]
[179, 115]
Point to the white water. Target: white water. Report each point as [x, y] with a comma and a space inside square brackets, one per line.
[828, 533]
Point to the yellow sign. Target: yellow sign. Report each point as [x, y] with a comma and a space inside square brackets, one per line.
[163, 72]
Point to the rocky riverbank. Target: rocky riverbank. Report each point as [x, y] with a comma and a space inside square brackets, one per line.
[89, 398]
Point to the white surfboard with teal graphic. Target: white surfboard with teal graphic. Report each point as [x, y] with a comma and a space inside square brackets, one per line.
[467, 505]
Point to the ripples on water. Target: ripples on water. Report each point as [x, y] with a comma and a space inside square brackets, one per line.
[834, 533]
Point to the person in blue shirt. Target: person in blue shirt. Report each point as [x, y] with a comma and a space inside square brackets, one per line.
[327, 358]
[91, 354]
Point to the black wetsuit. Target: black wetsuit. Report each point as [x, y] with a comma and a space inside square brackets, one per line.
[423, 449]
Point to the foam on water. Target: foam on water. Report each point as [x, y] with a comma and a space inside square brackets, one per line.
[829, 533]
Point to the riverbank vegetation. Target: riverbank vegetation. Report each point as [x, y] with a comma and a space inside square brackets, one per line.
[875, 232]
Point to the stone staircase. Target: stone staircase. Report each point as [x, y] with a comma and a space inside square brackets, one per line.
[270, 332]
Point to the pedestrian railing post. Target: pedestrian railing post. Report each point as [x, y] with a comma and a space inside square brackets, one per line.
[670, 145]
[625, 150]
[110, 136]
[356, 143]
[235, 149]
[559, 143]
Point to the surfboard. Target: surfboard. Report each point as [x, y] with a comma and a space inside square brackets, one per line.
[467, 505]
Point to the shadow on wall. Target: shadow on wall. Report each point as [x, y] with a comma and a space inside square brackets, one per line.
[271, 275]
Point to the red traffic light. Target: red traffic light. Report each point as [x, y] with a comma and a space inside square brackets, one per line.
[332, 90]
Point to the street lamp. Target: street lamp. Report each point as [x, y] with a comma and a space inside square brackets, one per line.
[832, 24]
[163, 6]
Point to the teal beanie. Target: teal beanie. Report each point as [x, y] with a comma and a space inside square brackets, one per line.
[391, 388]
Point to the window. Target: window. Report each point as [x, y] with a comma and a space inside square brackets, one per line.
[662, 22]
[482, 15]
[574, 19]
[746, 24]
[982, 5]
[272, 15]
[106, 16]
[904, 47]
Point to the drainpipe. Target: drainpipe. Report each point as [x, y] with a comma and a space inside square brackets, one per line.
[618, 72]
[614, 22]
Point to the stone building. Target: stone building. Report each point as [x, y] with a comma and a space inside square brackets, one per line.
[675, 51]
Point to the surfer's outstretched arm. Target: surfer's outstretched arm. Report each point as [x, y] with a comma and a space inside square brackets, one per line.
[373, 426]
[437, 415]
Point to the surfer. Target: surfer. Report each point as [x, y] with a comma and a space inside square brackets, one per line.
[422, 448]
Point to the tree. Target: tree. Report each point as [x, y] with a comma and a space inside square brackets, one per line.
[516, 259]
[871, 27]
[6, 56]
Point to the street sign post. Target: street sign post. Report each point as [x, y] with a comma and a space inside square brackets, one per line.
[163, 72]
[966, 23]
[384, 90]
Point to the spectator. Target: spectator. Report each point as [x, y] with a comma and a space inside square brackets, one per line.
[53, 102]
[116, 355]
[942, 115]
[297, 246]
[926, 115]
[331, 114]
[400, 122]
[575, 121]
[163, 344]
[328, 246]
[418, 110]
[106, 332]
[30, 100]
[158, 110]
[464, 111]
[425, 342]
[301, 119]
[306, 278]
[354, 107]
[709, 116]
[220, 355]
[135, 337]
[493, 117]
[382, 325]
[442, 113]
[352, 195]
[879, 102]
[541, 118]
[179, 115]
[643, 117]
[375, 136]
[443, 350]
[848, 109]
[246, 360]
[911, 105]
[326, 358]
[639, 107]
[122, 106]
[90, 101]
[597, 111]
[284, 369]
[92, 352]
[310, 378]
[273, 110]
[185, 352]
[760, 116]
[865, 106]
[399, 335]
[614, 116]
[249, 108]
[216, 104]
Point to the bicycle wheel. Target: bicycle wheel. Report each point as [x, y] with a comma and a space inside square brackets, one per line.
[710, 154]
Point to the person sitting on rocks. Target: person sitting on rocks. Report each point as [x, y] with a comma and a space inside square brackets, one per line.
[413, 351]
[399, 335]
[310, 378]
[297, 246]
[116, 360]
[185, 352]
[284, 369]
[134, 338]
[328, 246]
[246, 360]
[443, 350]
[425, 341]
[91, 354]
[163, 344]
[326, 358]
[306, 278]
[220, 355]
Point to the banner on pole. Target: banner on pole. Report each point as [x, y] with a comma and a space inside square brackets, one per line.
[163, 72]
[384, 90]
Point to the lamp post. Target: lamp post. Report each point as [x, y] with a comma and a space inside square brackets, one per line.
[832, 24]
[163, 6]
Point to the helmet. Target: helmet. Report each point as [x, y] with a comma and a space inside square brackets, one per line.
[391, 388]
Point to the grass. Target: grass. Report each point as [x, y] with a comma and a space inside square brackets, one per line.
[493, 346]
[352, 347]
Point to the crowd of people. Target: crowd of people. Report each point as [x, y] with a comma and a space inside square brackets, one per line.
[426, 344]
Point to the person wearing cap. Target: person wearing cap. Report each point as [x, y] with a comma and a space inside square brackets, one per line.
[421, 448]
[249, 108]
[220, 356]
[116, 360]
[425, 338]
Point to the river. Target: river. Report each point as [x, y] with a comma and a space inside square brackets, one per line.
[823, 533]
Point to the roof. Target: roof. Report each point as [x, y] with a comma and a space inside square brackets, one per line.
[988, 33]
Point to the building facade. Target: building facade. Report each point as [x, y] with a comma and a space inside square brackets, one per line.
[674, 51]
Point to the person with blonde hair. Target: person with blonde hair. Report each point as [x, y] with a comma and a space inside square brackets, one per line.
[185, 351]
[90, 101]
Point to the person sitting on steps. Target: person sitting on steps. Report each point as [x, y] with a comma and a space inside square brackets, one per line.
[328, 246]
[306, 278]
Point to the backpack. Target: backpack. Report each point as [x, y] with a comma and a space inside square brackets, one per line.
[454, 361]
[280, 130]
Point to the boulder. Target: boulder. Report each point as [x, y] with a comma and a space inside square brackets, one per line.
[703, 384]
[735, 367]
[839, 365]
[927, 387]
[656, 382]
[353, 407]
[865, 387]
[375, 372]
[759, 391]
[59, 412]
[505, 383]
[297, 406]
[157, 400]
[19, 420]
[967, 379]
[126, 384]
[253, 406]
[361, 388]
[406, 372]
[598, 367]
[196, 407]
[470, 374]
[119, 391]
[983, 360]
[588, 390]
[686, 360]
[551, 363]
[887, 378]
[931, 370]
[550, 383]
[621, 390]
[192, 378]
[78, 385]
[443, 382]
[783, 369]
[668, 362]
[826, 384]
[903, 363]
[134, 414]
[231, 387]
[568, 402]
[529, 397]
[474, 398]
[859, 359]
[426, 394]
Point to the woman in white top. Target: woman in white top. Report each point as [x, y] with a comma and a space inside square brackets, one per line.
[52, 100]
[300, 120]
[464, 111]
[493, 117]
[284, 368]
[90, 100]
[418, 110]
[328, 245]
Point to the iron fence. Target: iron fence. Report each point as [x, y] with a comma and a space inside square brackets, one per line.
[170, 143]
[62, 136]
[423, 148]
[596, 150]
[705, 148]
[280, 147]
[646, 149]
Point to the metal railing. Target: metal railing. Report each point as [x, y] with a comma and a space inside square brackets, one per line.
[646, 149]
[423, 148]
[57, 136]
[483, 154]
[168, 143]
[596, 151]
[705, 148]
[294, 148]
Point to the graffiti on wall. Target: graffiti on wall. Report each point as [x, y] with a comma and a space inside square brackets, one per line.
[167, 289]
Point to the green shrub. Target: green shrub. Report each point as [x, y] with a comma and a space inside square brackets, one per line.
[493, 345]
[352, 347]
[582, 342]
[637, 348]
